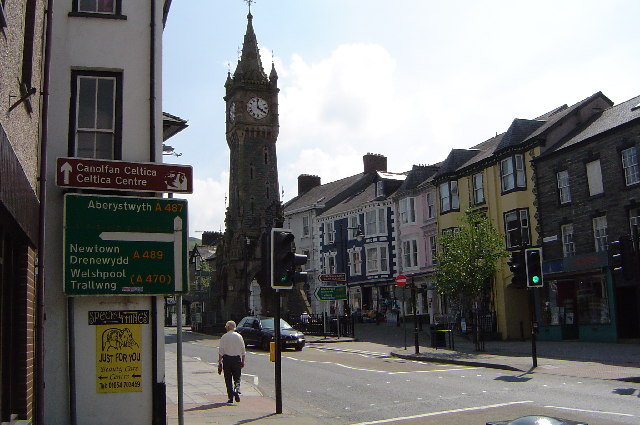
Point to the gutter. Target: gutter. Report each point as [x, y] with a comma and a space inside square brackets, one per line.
[40, 282]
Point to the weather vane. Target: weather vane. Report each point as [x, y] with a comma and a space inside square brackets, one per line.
[249, 3]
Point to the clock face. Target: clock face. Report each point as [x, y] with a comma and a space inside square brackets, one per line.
[232, 112]
[258, 107]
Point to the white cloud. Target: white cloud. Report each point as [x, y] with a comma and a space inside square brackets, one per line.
[206, 209]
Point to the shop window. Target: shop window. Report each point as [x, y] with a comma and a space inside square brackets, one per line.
[593, 303]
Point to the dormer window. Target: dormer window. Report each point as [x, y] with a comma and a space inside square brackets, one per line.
[380, 188]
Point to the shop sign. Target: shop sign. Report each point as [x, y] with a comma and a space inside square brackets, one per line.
[594, 260]
[119, 349]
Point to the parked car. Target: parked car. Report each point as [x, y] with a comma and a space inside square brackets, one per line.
[259, 331]
[537, 420]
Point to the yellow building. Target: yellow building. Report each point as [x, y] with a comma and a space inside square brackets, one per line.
[497, 178]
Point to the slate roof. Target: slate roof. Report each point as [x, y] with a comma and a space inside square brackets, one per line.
[324, 196]
[456, 158]
[609, 119]
[518, 132]
[415, 177]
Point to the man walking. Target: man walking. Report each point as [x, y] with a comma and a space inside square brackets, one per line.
[231, 353]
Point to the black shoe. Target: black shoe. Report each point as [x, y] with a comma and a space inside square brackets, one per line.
[237, 395]
[230, 401]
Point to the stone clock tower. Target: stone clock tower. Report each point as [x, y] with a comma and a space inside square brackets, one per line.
[254, 202]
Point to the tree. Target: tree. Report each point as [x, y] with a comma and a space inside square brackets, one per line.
[468, 258]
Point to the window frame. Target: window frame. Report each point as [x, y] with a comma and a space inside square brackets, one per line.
[410, 253]
[478, 192]
[568, 244]
[630, 170]
[116, 14]
[408, 210]
[76, 76]
[453, 196]
[330, 232]
[516, 172]
[431, 209]
[522, 215]
[380, 261]
[564, 187]
[355, 263]
[594, 181]
[305, 225]
[600, 237]
[433, 247]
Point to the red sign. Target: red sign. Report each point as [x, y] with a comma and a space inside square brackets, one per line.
[334, 277]
[120, 175]
[401, 280]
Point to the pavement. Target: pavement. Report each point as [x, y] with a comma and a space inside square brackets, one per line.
[204, 395]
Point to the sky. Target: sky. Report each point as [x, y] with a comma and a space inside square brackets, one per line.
[407, 79]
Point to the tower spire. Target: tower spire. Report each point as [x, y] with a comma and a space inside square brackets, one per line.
[249, 67]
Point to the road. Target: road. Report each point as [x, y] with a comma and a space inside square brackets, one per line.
[358, 383]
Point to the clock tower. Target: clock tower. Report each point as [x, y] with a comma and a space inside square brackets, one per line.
[254, 202]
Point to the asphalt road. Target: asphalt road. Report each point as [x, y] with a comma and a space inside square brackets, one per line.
[358, 383]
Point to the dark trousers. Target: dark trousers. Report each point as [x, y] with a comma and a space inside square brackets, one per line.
[232, 371]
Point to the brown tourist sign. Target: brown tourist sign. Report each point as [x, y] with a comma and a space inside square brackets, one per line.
[86, 173]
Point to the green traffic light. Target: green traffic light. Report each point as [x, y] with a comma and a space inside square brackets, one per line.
[535, 279]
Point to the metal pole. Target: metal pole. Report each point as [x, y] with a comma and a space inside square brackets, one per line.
[179, 361]
[404, 316]
[278, 373]
[415, 315]
[534, 354]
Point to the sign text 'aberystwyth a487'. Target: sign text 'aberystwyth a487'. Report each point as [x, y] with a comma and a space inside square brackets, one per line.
[124, 245]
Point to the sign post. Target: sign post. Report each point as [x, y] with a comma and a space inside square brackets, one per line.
[124, 245]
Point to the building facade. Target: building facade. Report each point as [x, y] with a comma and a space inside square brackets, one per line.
[591, 185]
[21, 87]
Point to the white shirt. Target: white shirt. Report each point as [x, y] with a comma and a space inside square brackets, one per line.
[231, 344]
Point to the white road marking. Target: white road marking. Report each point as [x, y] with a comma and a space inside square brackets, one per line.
[443, 412]
[378, 371]
[591, 411]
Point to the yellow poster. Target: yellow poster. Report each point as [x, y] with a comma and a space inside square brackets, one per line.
[118, 354]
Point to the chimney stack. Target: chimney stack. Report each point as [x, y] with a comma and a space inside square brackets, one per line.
[374, 162]
[306, 182]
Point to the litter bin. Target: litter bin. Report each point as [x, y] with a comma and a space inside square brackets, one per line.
[438, 338]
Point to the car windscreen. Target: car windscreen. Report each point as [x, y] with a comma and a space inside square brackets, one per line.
[268, 324]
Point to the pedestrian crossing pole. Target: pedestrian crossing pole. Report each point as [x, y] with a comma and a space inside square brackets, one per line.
[278, 368]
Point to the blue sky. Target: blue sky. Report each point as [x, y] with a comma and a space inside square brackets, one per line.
[408, 79]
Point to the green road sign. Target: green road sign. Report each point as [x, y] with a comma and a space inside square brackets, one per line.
[117, 245]
[331, 293]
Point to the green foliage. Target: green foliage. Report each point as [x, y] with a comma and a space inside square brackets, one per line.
[468, 258]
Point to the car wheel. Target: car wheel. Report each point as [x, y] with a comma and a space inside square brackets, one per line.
[298, 347]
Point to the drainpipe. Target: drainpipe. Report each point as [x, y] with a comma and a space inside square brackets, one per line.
[44, 122]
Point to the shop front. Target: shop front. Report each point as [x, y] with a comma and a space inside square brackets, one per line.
[576, 302]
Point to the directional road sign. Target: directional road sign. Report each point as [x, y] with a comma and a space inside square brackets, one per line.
[120, 175]
[331, 293]
[124, 245]
[333, 277]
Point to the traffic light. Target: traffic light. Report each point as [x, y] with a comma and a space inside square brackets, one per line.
[284, 260]
[534, 267]
[517, 267]
[622, 257]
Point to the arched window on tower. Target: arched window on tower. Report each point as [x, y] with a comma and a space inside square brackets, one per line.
[251, 205]
[267, 189]
[266, 155]
[251, 171]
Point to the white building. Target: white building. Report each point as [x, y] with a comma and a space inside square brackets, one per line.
[105, 102]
